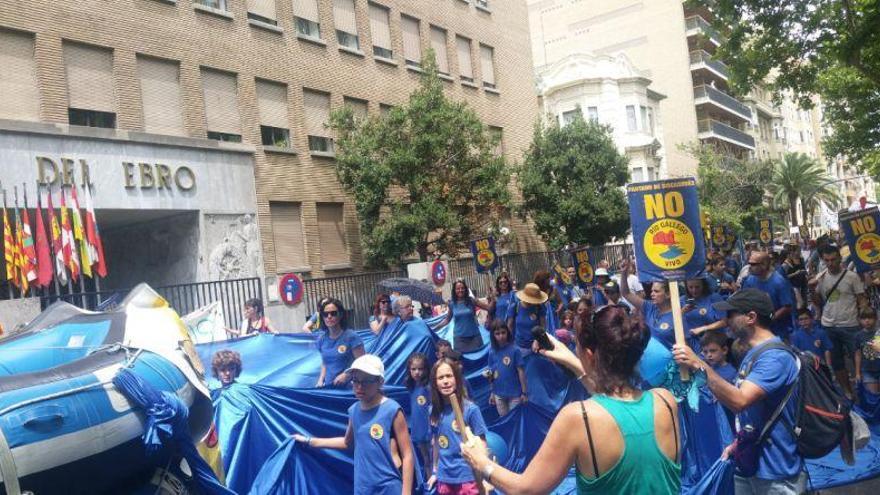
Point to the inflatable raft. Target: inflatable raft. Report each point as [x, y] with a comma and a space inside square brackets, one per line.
[64, 426]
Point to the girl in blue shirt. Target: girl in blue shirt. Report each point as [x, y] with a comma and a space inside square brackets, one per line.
[698, 314]
[656, 312]
[419, 406]
[462, 311]
[507, 381]
[499, 308]
[528, 311]
[451, 474]
[339, 347]
[373, 422]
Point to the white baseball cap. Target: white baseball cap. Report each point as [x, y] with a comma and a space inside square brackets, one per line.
[369, 364]
[601, 272]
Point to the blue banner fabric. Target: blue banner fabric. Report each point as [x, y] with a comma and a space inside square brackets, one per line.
[485, 257]
[765, 231]
[665, 218]
[582, 261]
[861, 230]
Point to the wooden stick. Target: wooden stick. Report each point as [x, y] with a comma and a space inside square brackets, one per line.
[678, 324]
[467, 437]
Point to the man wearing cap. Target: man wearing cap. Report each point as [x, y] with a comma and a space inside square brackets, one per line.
[612, 294]
[377, 430]
[601, 277]
[764, 278]
[757, 394]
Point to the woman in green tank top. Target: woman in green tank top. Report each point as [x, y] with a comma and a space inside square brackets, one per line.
[622, 440]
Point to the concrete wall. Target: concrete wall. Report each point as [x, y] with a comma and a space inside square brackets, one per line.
[14, 312]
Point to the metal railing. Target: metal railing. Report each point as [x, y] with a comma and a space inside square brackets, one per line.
[356, 292]
[184, 298]
[703, 57]
[697, 22]
[723, 100]
[722, 130]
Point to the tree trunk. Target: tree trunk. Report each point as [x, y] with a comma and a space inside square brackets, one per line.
[422, 249]
[793, 207]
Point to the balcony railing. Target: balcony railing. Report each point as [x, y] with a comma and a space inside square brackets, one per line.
[709, 128]
[702, 57]
[723, 100]
[697, 23]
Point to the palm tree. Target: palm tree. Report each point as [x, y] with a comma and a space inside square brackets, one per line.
[799, 177]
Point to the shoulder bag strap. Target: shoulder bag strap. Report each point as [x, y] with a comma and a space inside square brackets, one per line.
[590, 440]
[834, 287]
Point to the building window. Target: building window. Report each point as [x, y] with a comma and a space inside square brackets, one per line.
[91, 95]
[307, 18]
[18, 78]
[91, 118]
[465, 63]
[287, 234]
[385, 109]
[570, 116]
[160, 95]
[644, 115]
[651, 121]
[317, 114]
[438, 44]
[359, 108]
[593, 114]
[224, 136]
[487, 66]
[331, 232]
[638, 174]
[221, 105]
[631, 124]
[380, 31]
[274, 123]
[412, 41]
[213, 4]
[262, 11]
[497, 134]
[346, 24]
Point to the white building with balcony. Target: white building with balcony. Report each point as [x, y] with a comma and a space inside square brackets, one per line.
[611, 91]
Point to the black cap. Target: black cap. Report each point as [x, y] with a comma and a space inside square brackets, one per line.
[612, 286]
[747, 300]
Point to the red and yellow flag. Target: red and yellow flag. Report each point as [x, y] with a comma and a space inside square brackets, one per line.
[68, 243]
[57, 247]
[9, 250]
[79, 233]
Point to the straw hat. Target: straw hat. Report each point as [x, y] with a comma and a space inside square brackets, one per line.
[532, 294]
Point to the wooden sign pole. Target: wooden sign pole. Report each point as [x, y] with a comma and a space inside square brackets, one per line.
[678, 324]
[467, 437]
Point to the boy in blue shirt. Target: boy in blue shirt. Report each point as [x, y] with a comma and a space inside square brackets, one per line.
[810, 337]
[714, 347]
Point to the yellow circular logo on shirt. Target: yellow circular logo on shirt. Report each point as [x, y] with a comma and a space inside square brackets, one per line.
[341, 349]
[455, 426]
[664, 326]
[533, 316]
[506, 360]
[817, 343]
[669, 244]
[421, 400]
[442, 441]
[868, 248]
[703, 311]
[376, 431]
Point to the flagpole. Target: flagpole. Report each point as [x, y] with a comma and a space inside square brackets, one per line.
[18, 248]
[9, 282]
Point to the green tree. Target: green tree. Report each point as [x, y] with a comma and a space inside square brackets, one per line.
[829, 48]
[731, 191]
[799, 179]
[571, 183]
[426, 176]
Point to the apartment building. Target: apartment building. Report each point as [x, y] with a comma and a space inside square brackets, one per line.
[200, 123]
[673, 45]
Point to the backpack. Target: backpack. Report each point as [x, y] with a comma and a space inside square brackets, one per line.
[822, 413]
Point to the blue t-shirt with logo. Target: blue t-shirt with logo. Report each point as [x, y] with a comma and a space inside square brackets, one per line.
[452, 468]
[337, 354]
[419, 414]
[502, 305]
[815, 341]
[504, 363]
[774, 372]
[780, 292]
[524, 319]
[374, 470]
[715, 283]
[703, 313]
[464, 319]
[660, 324]
[599, 298]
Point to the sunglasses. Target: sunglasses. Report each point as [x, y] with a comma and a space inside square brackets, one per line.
[360, 383]
[330, 313]
[384, 302]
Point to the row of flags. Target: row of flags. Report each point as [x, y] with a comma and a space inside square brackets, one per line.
[72, 248]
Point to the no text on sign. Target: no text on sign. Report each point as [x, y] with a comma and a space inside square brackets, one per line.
[862, 231]
[665, 217]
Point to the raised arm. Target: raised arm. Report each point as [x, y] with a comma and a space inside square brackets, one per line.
[626, 268]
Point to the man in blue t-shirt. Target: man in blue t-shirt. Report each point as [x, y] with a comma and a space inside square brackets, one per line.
[764, 278]
[756, 395]
[810, 337]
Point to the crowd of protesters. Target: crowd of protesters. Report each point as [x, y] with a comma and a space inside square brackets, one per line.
[805, 295]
